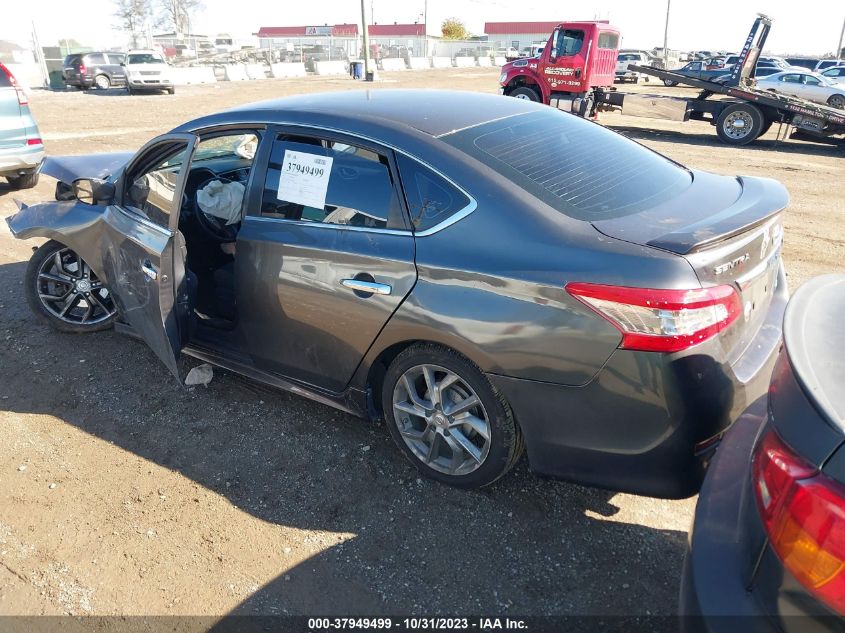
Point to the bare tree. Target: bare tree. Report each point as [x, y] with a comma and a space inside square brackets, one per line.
[132, 16]
[176, 14]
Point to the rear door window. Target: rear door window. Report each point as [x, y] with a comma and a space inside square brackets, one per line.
[608, 40]
[95, 58]
[114, 59]
[577, 167]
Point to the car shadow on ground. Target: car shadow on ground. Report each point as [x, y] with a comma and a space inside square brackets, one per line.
[522, 546]
[710, 139]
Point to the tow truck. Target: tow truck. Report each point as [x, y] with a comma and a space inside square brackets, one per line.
[738, 110]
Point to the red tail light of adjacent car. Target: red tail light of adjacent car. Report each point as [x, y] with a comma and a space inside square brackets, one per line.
[22, 98]
[803, 511]
[659, 320]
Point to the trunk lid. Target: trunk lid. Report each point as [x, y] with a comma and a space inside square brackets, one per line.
[730, 232]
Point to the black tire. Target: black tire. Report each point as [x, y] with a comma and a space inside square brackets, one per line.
[728, 123]
[766, 126]
[102, 82]
[670, 82]
[41, 256]
[27, 181]
[505, 442]
[130, 91]
[836, 101]
[524, 92]
[171, 91]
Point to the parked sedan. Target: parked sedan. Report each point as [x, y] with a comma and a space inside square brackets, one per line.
[697, 70]
[484, 273]
[21, 148]
[768, 542]
[806, 85]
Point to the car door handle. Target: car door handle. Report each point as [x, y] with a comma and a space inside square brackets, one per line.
[148, 269]
[368, 287]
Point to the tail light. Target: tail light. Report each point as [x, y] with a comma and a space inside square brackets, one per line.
[82, 69]
[653, 320]
[803, 512]
[22, 98]
[34, 141]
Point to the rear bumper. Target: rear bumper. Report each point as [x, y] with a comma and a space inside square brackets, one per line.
[15, 161]
[713, 596]
[640, 425]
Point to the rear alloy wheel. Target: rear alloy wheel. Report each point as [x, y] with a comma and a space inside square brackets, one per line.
[740, 123]
[524, 92]
[837, 101]
[448, 419]
[103, 82]
[63, 291]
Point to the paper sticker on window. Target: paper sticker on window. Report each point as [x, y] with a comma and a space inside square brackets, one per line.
[304, 178]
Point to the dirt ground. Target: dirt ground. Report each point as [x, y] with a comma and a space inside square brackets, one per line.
[123, 492]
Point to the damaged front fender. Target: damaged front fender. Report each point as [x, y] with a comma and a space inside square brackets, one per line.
[78, 226]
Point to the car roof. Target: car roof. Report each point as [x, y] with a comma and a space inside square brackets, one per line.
[433, 112]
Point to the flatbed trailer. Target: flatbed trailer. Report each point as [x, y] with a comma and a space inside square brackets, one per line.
[740, 113]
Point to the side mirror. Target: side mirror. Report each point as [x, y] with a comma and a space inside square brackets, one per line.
[93, 191]
[553, 50]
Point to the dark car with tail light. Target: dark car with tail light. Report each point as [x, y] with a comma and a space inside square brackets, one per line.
[767, 548]
[89, 70]
[487, 275]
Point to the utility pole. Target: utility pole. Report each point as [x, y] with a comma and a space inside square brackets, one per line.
[839, 54]
[368, 74]
[666, 38]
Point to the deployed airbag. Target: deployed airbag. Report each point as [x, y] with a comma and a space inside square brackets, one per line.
[223, 200]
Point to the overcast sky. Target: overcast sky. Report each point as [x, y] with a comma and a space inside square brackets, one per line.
[806, 26]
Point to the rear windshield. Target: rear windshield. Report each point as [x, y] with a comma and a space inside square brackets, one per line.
[144, 58]
[70, 60]
[579, 168]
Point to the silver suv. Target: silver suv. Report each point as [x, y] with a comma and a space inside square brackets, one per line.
[21, 148]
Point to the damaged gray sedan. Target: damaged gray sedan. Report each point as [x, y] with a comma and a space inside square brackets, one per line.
[485, 274]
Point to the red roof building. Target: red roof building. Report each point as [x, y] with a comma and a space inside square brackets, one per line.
[337, 30]
[507, 28]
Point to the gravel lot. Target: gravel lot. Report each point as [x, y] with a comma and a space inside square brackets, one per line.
[123, 492]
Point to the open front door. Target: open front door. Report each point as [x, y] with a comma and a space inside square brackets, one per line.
[145, 260]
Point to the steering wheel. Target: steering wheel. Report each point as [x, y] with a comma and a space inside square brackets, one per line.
[214, 227]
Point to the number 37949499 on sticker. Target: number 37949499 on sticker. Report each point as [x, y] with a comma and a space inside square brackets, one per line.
[304, 178]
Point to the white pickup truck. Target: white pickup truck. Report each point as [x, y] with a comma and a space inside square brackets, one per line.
[630, 57]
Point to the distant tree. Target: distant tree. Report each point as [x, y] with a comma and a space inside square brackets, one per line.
[454, 29]
[176, 14]
[132, 16]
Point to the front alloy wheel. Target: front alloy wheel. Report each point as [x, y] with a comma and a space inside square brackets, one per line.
[448, 419]
[65, 293]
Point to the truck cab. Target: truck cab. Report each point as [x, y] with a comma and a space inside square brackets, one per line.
[578, 57]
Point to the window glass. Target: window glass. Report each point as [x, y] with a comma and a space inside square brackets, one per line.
[695, 66]
[152, 189]
[811, 81]
[95, 58]
[791, 79]
[579, 168]
[569, 42]
[431, 199]
[144, 58]
[358, 186]
[608, 40]
[115, 58]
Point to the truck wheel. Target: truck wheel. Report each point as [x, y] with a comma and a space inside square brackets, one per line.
[740, 123]
[525, 93]
[669, 82]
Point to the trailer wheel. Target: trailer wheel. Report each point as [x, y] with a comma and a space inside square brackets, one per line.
[524, 92]
[740, 123]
